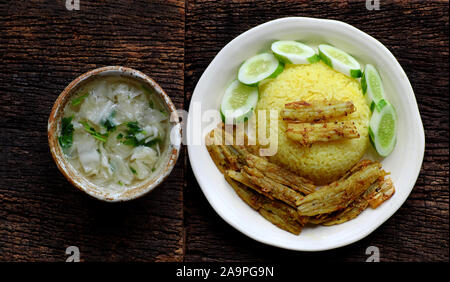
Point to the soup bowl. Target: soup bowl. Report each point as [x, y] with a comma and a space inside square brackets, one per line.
[168, 157]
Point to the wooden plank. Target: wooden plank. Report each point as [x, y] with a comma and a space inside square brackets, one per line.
[43, 47]
[417, 34]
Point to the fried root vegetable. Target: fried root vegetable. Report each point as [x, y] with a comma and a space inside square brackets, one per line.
[377, 193]
[216, 154]
[233, 157]
[349, 213]
[308, 133]
[354, 209]
[280, 174]
[320, 218]
[278, 213]
[239, 177]
[236, 156]
[224, 136]
[224, 156]
[382, 193]
[279, 195]
[341, 193]
[283, 223]
[267, 186]
[316, 111]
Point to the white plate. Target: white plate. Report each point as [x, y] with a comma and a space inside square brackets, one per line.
[404, 163]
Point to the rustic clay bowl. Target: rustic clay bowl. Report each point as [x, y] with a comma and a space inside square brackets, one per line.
[77, 179]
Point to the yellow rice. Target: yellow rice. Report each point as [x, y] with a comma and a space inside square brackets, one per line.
[326, 161]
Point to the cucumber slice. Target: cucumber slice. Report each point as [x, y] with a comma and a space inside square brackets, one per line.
[383, 128]
[372, 86]
[293, 52]
[238, 102]
[258, 68]
[339, 60]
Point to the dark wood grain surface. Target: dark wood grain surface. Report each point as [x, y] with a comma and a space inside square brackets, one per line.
[417, 34]
[43, 46]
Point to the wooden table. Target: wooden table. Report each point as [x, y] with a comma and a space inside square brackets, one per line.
[43, 46]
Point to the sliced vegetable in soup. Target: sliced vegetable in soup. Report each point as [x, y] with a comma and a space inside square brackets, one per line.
[114, 131]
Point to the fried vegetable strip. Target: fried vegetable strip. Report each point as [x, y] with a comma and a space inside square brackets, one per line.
[226, 138]
[354, 209]
[282, 222]
[321, 218]
[308, 133]
[234, 158]
[381, 193]
[216, 154]
[268, 200]
[280, 174]
[341, 193]
[276, 212]
[279, 195]
[316, 111]
[237, 156]
[349, 213]
[241, 178]
[224, 156]
[267, 186]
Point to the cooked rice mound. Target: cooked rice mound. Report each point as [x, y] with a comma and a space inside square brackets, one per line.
[325, 161]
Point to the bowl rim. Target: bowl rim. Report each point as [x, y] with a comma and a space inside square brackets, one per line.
[351, 29]
[79, 181]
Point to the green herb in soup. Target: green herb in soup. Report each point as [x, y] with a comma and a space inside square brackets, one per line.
[80, 99]
[93, 132]
[66, 137]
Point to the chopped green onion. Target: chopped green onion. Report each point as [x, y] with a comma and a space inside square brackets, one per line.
[133, 127]
[80, 99]
[66, 137]
[93, 132]
[110, 127]
[132, 131]
[152, 142]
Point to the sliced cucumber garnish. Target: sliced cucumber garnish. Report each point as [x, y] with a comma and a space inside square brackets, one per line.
[258, 68]
[372, 86]
[340, 60]
[293, 52]
[383, 128]
[238, 102]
